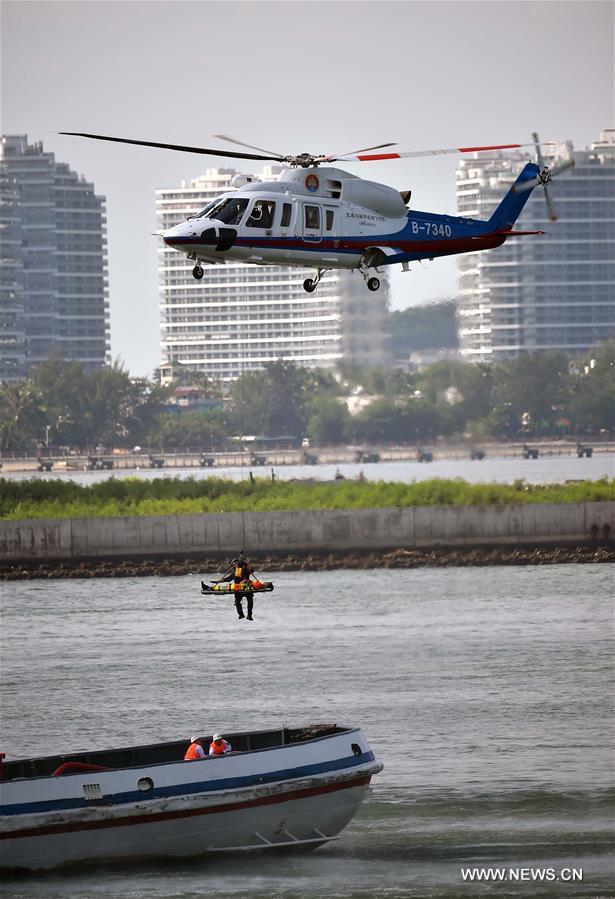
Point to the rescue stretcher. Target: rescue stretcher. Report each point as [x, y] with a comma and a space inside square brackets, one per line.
[244, 587]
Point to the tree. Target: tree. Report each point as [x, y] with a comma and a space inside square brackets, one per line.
[421, 421]
[425, 327]
[535, 386]
[196, 430]
[390, 382]
[329, 421]
[22, 417]
[462, 391]
[591, 405]
[103, 406]
[272, 401]
[379, 422]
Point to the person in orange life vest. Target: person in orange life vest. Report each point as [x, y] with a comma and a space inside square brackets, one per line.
[219, 746]
[195, 750]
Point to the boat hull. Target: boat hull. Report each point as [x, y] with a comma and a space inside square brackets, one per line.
[293, 815]
[243, 802]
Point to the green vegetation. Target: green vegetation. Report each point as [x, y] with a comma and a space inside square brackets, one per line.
[175, 496]
[537, 394]
[427, 327]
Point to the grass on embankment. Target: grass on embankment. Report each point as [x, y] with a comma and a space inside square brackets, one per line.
[190, 496]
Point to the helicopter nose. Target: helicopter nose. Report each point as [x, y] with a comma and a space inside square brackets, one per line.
[177, 235]
[221, 238]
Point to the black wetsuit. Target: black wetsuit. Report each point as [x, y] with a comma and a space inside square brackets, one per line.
[242, 573]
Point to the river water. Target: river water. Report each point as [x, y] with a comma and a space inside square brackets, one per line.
[504, 470]
[487, 693]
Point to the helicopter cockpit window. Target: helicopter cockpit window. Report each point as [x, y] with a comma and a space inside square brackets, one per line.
[230, 211]
[262, 214]
[329, 213]
[203, 212]
[312, 217]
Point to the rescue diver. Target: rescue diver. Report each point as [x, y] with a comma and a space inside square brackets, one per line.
[241, 577]
[241, 573]
[241, 581]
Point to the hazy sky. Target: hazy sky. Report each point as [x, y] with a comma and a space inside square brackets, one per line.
[340, 75]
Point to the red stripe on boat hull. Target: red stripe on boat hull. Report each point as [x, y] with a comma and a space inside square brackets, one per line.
[185, 813]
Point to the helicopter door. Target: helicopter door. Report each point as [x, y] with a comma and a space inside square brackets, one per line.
[312, 222]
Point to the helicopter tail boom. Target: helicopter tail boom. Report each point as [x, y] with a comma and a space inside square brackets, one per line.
[512, 205]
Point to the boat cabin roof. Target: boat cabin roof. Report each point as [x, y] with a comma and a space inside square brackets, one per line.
[166, 753]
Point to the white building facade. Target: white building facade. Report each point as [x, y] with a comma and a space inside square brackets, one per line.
[239, 317]
[12, 313]
[546, 292]
[56, 255]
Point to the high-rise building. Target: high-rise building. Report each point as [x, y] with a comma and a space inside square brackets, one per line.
[55, 251]
[12, 323]
[555, 291]
[241, 316]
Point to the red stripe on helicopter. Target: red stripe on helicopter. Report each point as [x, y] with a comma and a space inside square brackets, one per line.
[519, 233]
[380, 156]
[374, 157]
[495, 147]
[459, 244]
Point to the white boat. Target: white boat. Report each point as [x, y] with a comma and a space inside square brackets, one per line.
[296, 787]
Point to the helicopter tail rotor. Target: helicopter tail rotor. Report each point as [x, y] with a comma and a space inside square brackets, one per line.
[544, 177]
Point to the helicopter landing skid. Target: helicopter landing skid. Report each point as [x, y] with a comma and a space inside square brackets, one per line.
[310, 284]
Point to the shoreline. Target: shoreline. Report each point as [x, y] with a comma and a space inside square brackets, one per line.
[161, 461]
[201, 565]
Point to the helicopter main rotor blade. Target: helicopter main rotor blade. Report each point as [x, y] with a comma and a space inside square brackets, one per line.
[332, 157]
[415, 154]
[204, 151]
[240, 143]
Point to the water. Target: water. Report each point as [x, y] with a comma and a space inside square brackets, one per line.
[487, 694]
[505, 470]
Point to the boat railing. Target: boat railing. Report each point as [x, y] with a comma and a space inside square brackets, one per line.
[159, 753]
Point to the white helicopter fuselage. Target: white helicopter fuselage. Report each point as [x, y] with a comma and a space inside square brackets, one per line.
[322, 217]
[326, 218]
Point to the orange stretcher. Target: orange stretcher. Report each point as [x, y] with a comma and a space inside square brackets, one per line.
[244, 587]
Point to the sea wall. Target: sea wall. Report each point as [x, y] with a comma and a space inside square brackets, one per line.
[307, 531]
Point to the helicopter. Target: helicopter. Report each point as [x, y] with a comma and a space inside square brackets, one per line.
[319, 216]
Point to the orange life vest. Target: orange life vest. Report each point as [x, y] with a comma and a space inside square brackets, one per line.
[239, 571]
[192, 752]
[217, 748]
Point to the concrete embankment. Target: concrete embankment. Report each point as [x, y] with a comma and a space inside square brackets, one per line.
[330, 533]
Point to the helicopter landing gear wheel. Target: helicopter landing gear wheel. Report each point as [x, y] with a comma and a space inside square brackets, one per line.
[373, 283]
[310, 284]
[197, 272]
